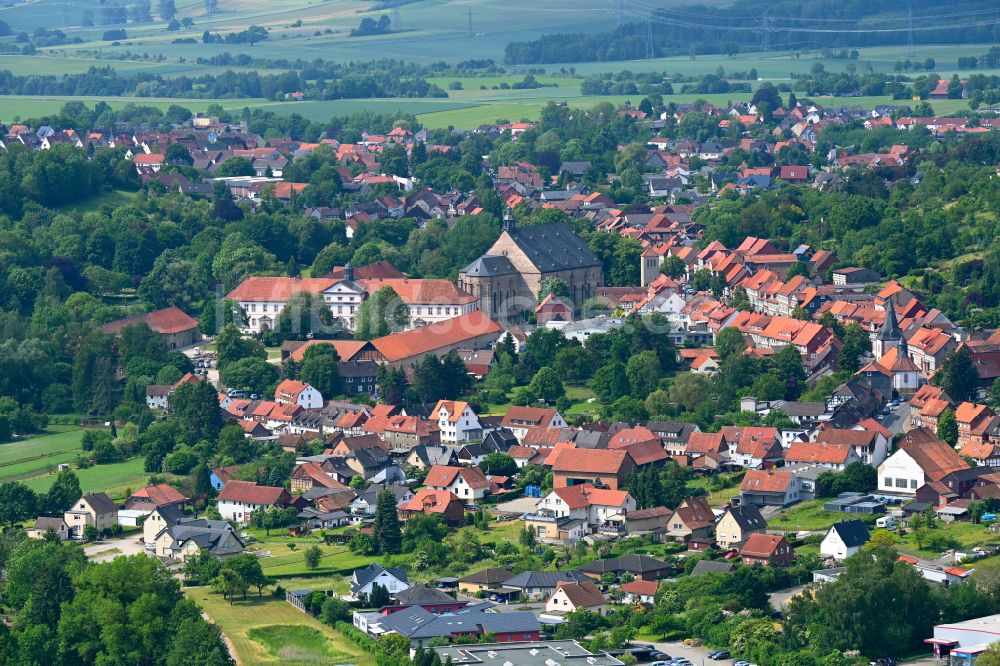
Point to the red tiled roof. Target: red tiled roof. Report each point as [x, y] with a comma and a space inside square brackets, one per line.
[847, 437]
[582, 595]
[166, 321]
[277, 289]
[534, 415]
[585, 494]
[428, 500]
[646, 588]
[444, 475]
[589, 461]
[436, 292]
[161, 494]
[762, 545]
[346, 349]
[704, 442]
[766, 481]
[426, 339]
[819, 452]
[251, 493]
[644, 452]
[630, 436]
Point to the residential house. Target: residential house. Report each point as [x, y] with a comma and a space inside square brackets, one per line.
[154, 497]
[292, 392]
[922, 459]
[639, 592]
[542, 584]
[572, 466]
[576, 596]
[770, 488]
[93, 509]
[767, 550]
[521, 419]
[692, 520]
[160, 518]
[570, 513]
[191, 537]
[640, 567]
[468, 483]
[239, 499]
[420, 625]
[737, 524]
[428, 502]
[753, 447]
[487, 579]
[177, 329]
[835, 456]
[42, 525]
[457, 423]
[393, 579]
[844, 539]
[869, 439]
[426, 456]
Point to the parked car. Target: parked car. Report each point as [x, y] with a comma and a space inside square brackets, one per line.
[719, 654]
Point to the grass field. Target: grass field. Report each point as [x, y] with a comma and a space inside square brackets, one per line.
[39, 455]
[806, 516]
[266, 630]
[111, 479]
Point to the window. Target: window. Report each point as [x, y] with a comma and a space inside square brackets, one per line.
[887, 482]
[913, 484]
[900, 483]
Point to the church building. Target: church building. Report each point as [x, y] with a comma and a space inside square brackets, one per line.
[507, 279]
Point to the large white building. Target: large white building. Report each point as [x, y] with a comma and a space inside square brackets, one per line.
[457, 422]
[262, 299]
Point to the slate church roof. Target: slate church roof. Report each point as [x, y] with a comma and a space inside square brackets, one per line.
[554, 247]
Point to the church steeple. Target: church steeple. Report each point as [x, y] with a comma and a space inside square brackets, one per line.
[889, 335]
[508, 220]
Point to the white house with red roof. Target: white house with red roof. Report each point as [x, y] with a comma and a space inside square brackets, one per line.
[519, 420]
[457, 423]
[239, 499]
[293, 392]
[468, 483]
[595, 505]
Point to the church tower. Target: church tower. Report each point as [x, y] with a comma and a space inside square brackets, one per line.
[889, 335]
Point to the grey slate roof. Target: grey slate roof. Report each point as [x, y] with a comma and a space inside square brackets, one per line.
[369, 573]
[100, 502]
[633, 563]
[416, 623]
[545, 578]
[554, 247]
[710, 566]
[748, 517]
[208, 534]
[488, 576]
[853, 533]
[423, 594]
[489, 265]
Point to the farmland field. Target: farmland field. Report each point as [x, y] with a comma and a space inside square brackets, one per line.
[112, 479]
[261, 627]
[39, 455]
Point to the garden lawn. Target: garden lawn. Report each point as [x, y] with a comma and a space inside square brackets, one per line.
[266, 630]
[966, 535]
[806, 516]
[287, 563]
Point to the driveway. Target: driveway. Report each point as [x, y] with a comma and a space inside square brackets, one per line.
[779, 599]
[109, 549]
[697, 654]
